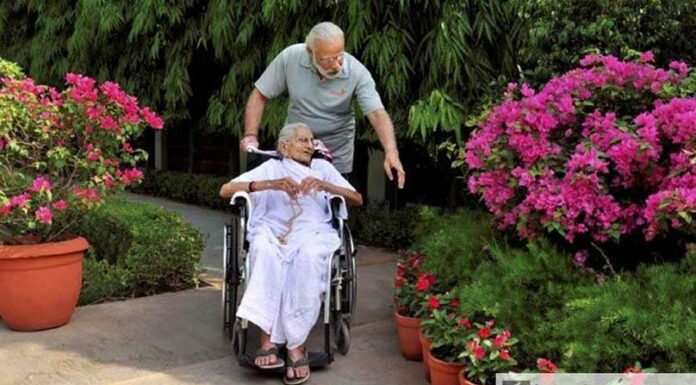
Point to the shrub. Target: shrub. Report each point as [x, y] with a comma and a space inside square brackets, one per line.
[454, 242]
[102, 281]
[601, 151]
[61, 153]
[151, 249]
[198, 189]
[375, 224]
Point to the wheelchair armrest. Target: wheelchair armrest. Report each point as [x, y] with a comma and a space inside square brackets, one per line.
[241, 199]
[338, 207]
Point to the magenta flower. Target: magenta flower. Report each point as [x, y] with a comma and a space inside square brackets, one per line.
[60, 205]
[41, 184]
[20, 200]
[44, 215]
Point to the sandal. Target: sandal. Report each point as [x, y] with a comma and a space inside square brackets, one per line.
[296, 364]
[273, 351]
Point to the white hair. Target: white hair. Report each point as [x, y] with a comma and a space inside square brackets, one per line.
[288, 131]
[326, 31]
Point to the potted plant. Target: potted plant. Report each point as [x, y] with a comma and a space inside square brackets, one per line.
[447, 330]
[487, 352]
[431, 302]
[61, 153]
[409, 286]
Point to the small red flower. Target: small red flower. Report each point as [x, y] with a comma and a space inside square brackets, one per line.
[399, 281]
[484, 332]
[499, 341]
[423, 283]
[479, 353]
[505, 355]
[632, 369]
[433, 302]
[465, 322]
[454, 303]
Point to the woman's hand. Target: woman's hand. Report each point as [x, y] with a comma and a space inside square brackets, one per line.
[311, 184]
[285, 184]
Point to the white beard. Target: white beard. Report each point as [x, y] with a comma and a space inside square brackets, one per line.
[324, 72]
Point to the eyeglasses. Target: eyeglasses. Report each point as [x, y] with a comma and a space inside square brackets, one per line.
[330, 59]
[305, 140]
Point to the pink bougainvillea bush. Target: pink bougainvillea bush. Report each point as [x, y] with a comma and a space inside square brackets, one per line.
[604, 150]
[61, 153]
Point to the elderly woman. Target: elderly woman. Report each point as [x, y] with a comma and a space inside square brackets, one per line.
[290, 242]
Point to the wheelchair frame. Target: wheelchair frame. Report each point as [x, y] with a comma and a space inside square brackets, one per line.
[338, 305]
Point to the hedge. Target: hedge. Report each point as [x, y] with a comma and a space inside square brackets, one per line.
[137, 249]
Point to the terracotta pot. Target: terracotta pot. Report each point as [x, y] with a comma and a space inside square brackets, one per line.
[408, 337]
[462, 378]
[40, 284]
[443, 373]
[425, 343]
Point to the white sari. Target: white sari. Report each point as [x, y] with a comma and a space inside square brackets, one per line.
[287, 281]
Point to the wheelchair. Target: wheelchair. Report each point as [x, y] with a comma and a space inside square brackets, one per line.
[338, 304]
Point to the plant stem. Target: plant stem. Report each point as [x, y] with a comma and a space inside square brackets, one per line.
[611, 267]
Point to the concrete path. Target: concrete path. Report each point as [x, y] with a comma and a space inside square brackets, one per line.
[177, 338]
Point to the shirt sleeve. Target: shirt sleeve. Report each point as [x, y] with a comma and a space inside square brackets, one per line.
[366, 93]
[273, 82]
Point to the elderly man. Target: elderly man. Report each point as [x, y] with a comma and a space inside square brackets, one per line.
[321, 80]
[290, 241]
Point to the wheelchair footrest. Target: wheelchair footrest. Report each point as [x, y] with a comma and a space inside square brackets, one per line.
[316, 360]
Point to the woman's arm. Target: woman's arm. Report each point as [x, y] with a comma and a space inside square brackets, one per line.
[285, 184]
[353, 198]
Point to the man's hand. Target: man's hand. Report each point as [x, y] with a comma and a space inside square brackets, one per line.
[286, 184]
[392, 161]
[311, 184]
[248, 142]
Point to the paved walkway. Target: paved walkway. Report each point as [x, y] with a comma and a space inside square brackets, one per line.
[176, 338]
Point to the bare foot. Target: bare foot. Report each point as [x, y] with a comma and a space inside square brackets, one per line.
[267, 360]
[295, 355]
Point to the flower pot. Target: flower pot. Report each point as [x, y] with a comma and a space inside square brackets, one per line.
[443, 373]
[425, 343]
[40, 284]
[409, 343]
[462, 378]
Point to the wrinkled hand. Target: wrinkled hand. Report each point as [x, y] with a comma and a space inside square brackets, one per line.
[392, 161]
[248, 142]
[286, 184]
[312, 184]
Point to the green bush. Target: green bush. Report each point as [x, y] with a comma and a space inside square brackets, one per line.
[453, 242]
[138, 249]
[582, 319]
[198, 189]
[375, 224]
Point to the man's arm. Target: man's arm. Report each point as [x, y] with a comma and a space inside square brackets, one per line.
[381, 122]
[252, 119]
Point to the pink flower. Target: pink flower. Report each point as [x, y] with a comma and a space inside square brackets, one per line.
[127, 147]
[41, 184]
[5, 209]
[20, 200]
[546, 366]
[44, 215]
[465, 322]
[2, 144]
[647, 57]
[152, 119]
[60, 205]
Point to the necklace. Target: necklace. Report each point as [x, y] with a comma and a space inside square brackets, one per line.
[296, 211]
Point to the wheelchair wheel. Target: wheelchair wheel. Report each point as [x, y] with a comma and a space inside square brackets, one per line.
[342, 336]
[350, 293]
[230, 280]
